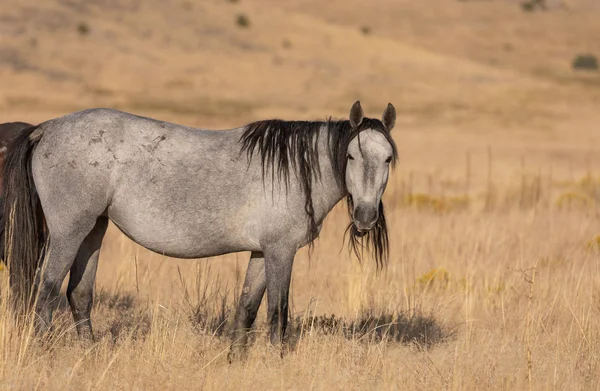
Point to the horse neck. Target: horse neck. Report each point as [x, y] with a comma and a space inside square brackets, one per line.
[326, 189]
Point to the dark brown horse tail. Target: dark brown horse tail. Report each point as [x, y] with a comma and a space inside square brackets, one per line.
[23, 220]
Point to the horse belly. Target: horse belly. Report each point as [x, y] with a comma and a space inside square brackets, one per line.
[182, 236]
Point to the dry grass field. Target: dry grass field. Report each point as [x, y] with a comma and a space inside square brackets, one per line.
[494, 210]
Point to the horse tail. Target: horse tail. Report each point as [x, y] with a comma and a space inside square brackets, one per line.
[8, 132]
[23, 219]
[2, 228]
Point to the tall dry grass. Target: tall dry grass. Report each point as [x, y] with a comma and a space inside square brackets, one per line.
[491, 285]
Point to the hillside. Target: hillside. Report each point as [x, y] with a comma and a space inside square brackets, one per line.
[455, 61]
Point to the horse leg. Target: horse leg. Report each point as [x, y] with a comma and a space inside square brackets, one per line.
[278, 270]
[80, 291]
[65, 240]
[252, 294]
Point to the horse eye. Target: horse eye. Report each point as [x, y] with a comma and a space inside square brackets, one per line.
[350, 157]
[389, 159]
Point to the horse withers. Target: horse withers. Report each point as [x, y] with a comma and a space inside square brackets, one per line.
[189, 193]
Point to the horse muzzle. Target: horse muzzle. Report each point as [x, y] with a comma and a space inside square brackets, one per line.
[364, 218]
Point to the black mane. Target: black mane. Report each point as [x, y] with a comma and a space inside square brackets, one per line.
[292, 146]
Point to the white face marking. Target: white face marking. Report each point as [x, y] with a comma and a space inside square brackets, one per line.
[369, 157]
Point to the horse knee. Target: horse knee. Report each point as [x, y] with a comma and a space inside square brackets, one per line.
[80, 299]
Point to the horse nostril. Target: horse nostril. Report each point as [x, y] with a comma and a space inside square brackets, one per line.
[365, 215]
[373, 214]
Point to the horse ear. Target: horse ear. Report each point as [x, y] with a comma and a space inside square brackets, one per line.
[389, 117]
[356, 114]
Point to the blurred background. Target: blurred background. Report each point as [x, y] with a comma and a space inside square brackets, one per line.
[498, 133]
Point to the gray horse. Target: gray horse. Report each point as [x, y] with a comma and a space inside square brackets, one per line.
[189, 193]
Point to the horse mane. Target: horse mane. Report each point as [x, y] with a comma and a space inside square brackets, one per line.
[287, 147]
